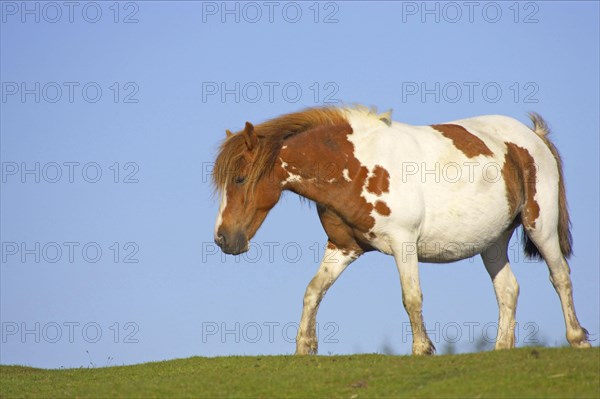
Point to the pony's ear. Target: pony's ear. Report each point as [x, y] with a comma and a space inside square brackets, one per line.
[228, 133]
[249, 136]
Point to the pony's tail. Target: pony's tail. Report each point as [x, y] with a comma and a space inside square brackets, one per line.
[564, 222]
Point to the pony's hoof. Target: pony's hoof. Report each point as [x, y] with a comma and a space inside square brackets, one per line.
[579, 339]
[306, 347]
[502, 345]
[424, 349]
[581, 344]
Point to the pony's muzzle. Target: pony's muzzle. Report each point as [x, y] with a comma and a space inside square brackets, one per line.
[232, 244]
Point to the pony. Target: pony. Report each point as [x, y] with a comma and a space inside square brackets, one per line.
[437, 193]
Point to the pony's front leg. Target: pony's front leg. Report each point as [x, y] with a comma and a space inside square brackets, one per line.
[408, 267]
[333, 264]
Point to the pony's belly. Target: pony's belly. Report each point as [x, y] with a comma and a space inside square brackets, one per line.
[461, 222]
[458, 242]
[446, 234]
[440, 245]
[448, 251]
[436, 250]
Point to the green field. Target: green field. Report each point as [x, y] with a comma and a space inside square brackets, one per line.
[525, 372]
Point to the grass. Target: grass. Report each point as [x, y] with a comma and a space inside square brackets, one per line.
[519, 373]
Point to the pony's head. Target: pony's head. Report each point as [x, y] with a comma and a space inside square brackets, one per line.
[247, 177]
[244, 177]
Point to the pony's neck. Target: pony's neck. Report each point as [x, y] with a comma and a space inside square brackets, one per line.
[320, 165]
[316, 164]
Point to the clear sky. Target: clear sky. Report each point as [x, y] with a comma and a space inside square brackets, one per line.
[111, 114]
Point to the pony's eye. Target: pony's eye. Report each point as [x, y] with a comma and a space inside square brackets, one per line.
[240, 180]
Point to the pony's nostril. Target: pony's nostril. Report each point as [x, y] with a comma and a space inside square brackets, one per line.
[220, 240]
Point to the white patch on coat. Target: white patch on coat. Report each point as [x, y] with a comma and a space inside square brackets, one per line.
[222, 207]
[292, 177]
[346, 175]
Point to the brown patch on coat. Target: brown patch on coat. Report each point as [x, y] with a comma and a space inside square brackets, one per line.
[512, 173]
[520, 176]
[382, 208]
[340, 235]
[319, 157]
[463, 140]
[320, 162]
[379, 182]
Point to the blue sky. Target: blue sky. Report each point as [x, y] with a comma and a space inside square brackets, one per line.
[110, 120]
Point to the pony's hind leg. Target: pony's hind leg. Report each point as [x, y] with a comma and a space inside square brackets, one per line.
[549, 233]
[333, 264]
[545, 219]
[549, 247]
[496, 262]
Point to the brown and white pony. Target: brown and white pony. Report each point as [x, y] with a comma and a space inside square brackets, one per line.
[436, 193]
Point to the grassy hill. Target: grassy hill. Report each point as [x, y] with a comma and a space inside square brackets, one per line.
[525, 372]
